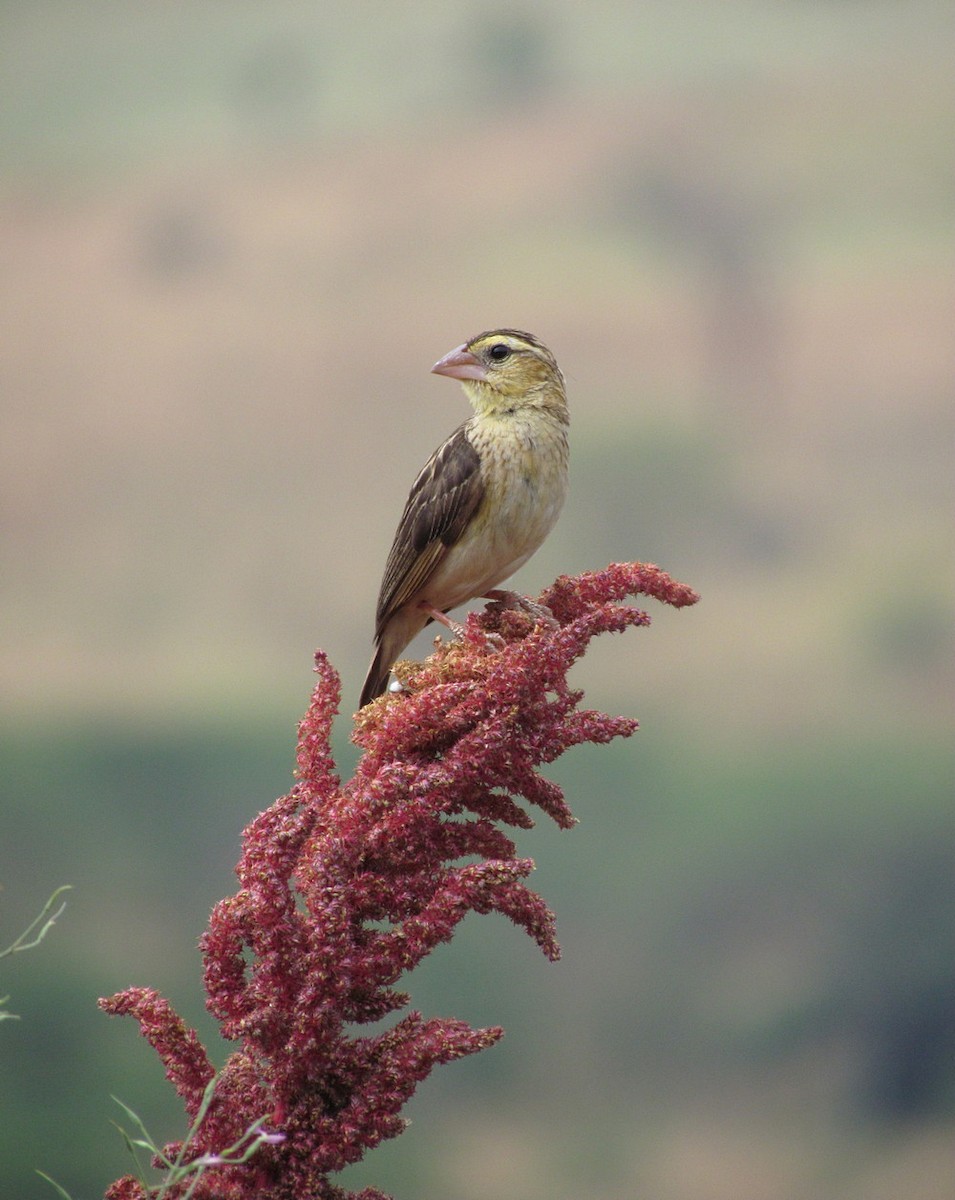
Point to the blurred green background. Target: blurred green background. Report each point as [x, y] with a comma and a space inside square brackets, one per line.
[233, 239]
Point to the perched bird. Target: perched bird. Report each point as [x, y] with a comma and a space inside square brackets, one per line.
[486, 498]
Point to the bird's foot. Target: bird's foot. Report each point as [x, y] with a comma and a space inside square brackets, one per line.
[456, 628]
[506, 599]
[494, 641]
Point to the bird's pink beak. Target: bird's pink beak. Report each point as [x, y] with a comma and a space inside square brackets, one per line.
[460, 363]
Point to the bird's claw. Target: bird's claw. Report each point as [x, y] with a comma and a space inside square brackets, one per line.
[492, 641]
[513, 600]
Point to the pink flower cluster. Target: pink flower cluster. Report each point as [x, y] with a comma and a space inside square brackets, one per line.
[344, 888]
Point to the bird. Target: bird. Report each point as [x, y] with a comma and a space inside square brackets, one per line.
[486, 498]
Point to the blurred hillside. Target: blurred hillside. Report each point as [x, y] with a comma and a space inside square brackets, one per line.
[232, 242]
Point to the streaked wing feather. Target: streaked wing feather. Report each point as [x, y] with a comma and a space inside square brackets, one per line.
[442, 501]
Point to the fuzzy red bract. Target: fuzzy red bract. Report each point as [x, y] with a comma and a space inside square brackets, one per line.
[344, 888]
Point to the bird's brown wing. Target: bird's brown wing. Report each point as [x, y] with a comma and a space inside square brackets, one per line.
[443, 499]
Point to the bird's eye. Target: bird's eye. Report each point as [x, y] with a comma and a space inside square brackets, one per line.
[499, 352]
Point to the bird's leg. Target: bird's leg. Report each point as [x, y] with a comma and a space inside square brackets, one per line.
[507, 599]
[493, 640]
[457, 629]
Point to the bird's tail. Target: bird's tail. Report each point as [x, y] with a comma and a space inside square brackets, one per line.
[391, 640]
[377, 678]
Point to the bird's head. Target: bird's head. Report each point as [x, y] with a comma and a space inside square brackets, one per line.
[504, 369]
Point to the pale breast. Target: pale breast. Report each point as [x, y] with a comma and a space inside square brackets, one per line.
[524, 468]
